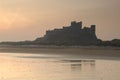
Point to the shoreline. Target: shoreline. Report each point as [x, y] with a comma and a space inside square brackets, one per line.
[92, 52]
[55, 46]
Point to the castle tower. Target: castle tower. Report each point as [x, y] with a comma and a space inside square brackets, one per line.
[76, 24]
[93, 28]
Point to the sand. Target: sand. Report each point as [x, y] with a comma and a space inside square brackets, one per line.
[84, 52]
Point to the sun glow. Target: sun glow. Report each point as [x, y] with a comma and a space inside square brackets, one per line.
[12, 20]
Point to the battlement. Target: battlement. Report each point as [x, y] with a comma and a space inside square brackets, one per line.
[74, 27]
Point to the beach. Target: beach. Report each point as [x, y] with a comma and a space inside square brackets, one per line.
[59, 63]
[83, 51]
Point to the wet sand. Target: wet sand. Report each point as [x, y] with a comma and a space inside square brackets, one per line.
[83, 52]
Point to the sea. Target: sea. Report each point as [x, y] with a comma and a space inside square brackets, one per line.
[48, 66]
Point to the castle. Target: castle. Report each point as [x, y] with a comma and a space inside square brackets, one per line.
[70, 35]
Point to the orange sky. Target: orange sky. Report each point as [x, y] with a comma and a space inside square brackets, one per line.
[28, 19]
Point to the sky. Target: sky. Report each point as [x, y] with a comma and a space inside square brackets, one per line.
[28, 19]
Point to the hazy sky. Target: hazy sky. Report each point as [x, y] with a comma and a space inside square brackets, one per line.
[29, 19]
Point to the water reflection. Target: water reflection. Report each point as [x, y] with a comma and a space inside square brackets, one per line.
[53, 67]
[78, 65]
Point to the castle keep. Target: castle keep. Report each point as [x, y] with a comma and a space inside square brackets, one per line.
[74, 34]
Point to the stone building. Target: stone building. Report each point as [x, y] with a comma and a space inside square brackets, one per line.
[74, 34]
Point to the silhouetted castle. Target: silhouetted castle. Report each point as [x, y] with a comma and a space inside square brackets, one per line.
[71, 35]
